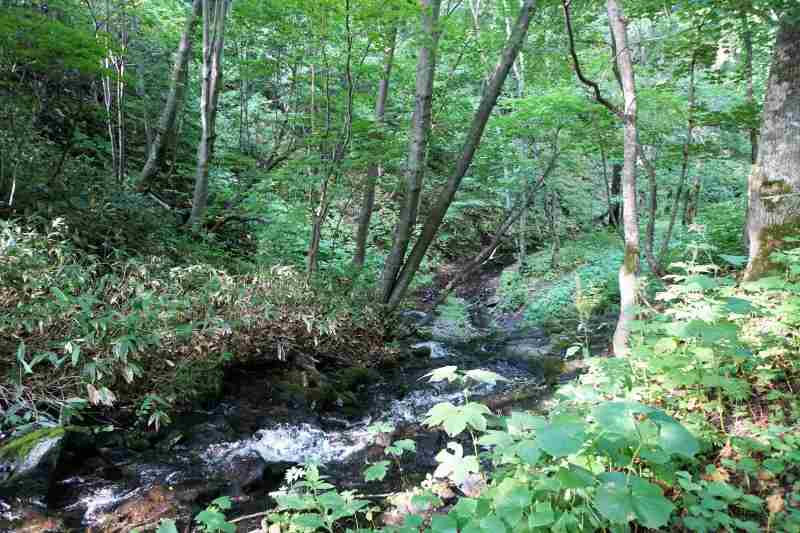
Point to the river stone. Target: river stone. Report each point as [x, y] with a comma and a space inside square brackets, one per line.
[146, 508]
[27, 463]
[28, 520]
[527, 349]
[243, 469]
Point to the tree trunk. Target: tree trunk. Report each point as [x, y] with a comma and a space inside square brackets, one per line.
[214, 12]
[748, 58]
[488, 101]
[774, 183]
[615, 207]
[687, 147]
[629, 270]
[375, 169]
[418, 142]
[166, 124]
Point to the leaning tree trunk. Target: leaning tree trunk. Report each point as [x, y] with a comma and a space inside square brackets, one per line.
[400, 285]
[774, 183]
[374, 171]
[213, 40]
[418, 142]
[165, 130]
[630, 265]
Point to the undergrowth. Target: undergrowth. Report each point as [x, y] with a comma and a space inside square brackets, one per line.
[79, 330]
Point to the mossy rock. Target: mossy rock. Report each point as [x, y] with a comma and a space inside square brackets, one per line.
[27, 462]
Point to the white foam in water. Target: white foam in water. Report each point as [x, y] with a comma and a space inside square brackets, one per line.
[305, 443]
[438, 350]
[100, 501]
[302, 443]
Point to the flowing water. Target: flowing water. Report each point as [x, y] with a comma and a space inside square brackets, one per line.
[241, 447]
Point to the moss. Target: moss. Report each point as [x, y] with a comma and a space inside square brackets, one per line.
[772, 238]
[631, 260]
[20, 447]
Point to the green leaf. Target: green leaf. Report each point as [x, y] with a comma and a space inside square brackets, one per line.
[575, 477]
[651, 507]
[376, 472]
[739, 306]
[673, 437]
[167, 526]
[443, 524]
[448, 373]
[613, 499]
[309, 520]
[493, 523]
[560, 439]
[529, 451]
[223, 503]
[542, 515]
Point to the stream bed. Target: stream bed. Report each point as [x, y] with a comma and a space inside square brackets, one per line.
[243, 445]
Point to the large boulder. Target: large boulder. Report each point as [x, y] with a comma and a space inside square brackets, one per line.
[27, 463]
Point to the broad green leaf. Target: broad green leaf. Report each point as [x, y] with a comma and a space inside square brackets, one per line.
[448, 373]
[613, 499]
[528, 450]
[167, 526]
[542, 515]
[652, 509]
[443, 524]
[377, 471]
[560, 439]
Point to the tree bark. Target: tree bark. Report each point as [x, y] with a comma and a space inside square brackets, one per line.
[615, 206]
[629, 270]
[375, 169]
[418, 142]
[214, 12]
[687, 147]
[166, 124]
[774, 183]
[511, 50]
[747, 37]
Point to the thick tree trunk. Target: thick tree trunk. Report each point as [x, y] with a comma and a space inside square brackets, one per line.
[438, 211]
[774, 183]
[214, 12]
[628, 272]
[375, 169]
[418, 142]
[166, 124]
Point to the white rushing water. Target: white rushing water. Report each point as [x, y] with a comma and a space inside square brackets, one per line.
[305, 443]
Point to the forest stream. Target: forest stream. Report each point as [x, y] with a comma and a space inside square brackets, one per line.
[242, 446]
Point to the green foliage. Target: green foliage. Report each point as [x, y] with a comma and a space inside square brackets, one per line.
[212, 519]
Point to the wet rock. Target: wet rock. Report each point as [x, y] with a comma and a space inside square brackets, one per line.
[414, 317]
[243, 469]
[144, 509]
[28, 520]
[27, 463]
[527, 349]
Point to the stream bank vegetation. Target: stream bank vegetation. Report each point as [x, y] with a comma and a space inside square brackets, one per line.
[192, 192]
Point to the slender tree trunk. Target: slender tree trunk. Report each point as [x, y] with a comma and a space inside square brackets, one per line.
[629, 270]
[375, 169]
[418, 143]
[615, 206]
[165, 130]
[774, 183]
[488, 101]
[747, 36]
[214, 12]
[691, 198]
[687, 147]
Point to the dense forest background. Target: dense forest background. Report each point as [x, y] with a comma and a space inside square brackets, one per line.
[189, 188]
